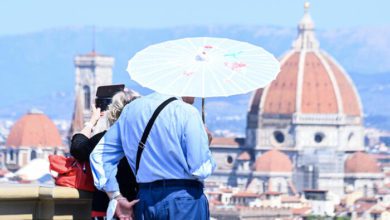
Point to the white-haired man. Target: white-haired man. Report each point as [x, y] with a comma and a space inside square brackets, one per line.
[174, 159]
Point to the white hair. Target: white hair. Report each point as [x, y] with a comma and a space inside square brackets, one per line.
[114, 110]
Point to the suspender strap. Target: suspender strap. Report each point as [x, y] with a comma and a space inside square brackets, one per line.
[141, 144]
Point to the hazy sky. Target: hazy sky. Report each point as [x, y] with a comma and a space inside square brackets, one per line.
[21, 16]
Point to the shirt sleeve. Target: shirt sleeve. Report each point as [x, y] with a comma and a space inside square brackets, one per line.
[80, 148]
[104, 159]
[196, 145]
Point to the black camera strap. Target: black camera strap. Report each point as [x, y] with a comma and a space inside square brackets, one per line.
[141, 144]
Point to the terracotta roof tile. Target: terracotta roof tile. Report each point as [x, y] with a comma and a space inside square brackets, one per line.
[363, 207]
[226, 190]
[371, 200]
[272, 193]
[350, 99]
[290, 199]
[281, 95]
[246, 194]
[215, 202]
[301, 211]
[244, 156]
[226, 142]
[273, 161]
[361, 162]
[376, 211]
[3, 172]
[319, 90]
[34, 130]
[318, 95]
[214, 193]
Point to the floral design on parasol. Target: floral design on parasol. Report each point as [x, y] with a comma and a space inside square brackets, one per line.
[203, 67]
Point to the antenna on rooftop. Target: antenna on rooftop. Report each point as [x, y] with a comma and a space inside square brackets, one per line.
[93, 39]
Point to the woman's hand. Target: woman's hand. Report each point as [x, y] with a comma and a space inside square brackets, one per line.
[87, 130]
[124, 209]
[96, 114]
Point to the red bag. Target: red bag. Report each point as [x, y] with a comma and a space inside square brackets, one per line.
[72, 173]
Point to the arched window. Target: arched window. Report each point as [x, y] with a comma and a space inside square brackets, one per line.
[11, 155]
[365, 191]
[87, 97]
[279, 187]
[350, 136]
[33, 155]
[229, 159]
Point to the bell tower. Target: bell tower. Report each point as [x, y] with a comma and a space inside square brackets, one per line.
[92, 70]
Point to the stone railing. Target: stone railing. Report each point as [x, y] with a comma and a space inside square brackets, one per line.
[328, 119]
[251, 213]
[24, 201]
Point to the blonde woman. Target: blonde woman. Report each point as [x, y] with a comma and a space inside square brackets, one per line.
[84, 142]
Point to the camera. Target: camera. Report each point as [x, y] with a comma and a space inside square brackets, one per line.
[104, 95]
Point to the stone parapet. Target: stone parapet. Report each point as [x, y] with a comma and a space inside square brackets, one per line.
[25, 201]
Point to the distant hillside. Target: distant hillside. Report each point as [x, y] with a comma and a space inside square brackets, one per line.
[374, 90]
[36, 70]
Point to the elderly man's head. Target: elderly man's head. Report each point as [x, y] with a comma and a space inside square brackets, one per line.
[189, 100]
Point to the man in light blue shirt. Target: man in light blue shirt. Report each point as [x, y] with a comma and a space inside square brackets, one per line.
[175, 161]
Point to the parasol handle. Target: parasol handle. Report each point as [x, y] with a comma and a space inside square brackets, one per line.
[203, 117]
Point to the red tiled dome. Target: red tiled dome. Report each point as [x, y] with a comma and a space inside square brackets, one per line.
[310, 82]
[324, 88]
[361, 162]
[273, 161]
[244, 156]
[34, 130]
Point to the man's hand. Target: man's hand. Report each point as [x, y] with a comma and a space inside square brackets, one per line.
[124, 209]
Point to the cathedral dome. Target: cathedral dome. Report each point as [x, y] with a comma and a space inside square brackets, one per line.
[310, 82]
[311, 103]
[361, 162]
[273, 161]
[34, 129]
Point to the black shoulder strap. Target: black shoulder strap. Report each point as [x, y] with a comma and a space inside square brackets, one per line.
[141, 144]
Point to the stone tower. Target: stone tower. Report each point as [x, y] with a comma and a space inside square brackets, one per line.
[92, 70]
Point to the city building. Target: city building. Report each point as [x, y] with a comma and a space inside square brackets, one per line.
[363, 173]
[320, 203]
[33, 136]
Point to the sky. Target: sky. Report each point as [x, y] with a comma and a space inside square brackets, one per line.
[18, 17]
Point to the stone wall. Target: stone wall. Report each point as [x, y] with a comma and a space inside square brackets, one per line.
[24, 201]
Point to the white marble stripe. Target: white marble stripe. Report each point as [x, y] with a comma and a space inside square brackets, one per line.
[301, 71]
[335, 84]
[349, 80]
